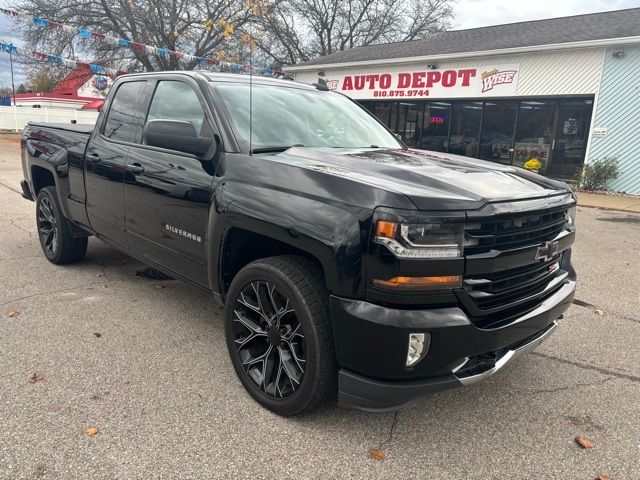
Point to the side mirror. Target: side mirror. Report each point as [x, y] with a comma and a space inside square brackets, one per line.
[176, 135]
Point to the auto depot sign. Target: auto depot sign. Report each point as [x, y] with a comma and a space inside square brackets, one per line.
[488, 81]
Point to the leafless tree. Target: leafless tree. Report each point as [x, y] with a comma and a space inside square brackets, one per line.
[201, 28]
[43, 77]
[299, 30]
[278, 32]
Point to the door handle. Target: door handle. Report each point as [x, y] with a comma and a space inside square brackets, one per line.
[94, 158]
[135, 168]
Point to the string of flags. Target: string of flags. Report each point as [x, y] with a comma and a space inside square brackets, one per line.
[67, 62]
[209, 62]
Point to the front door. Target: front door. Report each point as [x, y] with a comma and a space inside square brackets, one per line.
[168, 193]
[571, 135]
[105, 160]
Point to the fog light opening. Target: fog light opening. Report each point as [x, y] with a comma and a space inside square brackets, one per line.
[418, 346]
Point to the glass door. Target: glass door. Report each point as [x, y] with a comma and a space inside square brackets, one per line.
[570, 140]
[534, 132]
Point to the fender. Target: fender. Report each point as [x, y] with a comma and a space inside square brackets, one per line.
[61, 153]
[53, 158]
[331, 234]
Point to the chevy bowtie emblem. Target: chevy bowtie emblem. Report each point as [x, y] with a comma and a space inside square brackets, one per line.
[547, 251]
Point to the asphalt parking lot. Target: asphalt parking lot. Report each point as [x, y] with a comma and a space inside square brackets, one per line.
[149, 368]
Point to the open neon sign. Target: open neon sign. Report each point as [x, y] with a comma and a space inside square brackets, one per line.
[436, 120]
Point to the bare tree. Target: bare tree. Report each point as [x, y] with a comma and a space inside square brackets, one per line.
[299, 30]
[209, 28]
[43, 77]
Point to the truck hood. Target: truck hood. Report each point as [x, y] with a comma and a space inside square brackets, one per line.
[431, 180]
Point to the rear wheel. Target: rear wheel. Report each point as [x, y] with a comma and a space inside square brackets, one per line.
[55, 232]
[277, 331]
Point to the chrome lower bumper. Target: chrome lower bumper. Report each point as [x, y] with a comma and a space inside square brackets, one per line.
[509, 356]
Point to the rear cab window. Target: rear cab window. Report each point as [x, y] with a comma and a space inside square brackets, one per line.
[123, 120]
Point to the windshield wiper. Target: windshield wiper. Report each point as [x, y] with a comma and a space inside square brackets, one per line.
[275, 148]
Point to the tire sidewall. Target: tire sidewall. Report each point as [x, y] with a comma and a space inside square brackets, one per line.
[297, 401]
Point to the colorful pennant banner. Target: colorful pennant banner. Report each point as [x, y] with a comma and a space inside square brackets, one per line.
[209, 62]
[67, 62]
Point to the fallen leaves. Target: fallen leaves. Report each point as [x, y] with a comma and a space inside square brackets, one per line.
[97, 334]
[584, 442]
[376, 454]
[12, 313]
[126, 382]
[99, 274]
[91, 431]
[603, 477]
[597, 311]
[159, 286]
[36, 377]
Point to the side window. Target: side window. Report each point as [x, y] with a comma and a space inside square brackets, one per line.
[176, 101]
[121, 116]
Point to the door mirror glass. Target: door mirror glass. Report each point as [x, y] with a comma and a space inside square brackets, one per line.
[176, 135]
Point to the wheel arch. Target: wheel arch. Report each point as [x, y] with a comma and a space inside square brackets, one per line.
[41, 177]
[241, 246]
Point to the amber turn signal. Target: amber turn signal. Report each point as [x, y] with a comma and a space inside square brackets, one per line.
[421, 283]
[386, 229]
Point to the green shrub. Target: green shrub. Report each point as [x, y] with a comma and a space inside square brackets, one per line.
[595, 175]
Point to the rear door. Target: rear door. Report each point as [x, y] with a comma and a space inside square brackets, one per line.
[105, 160]
[168, 193]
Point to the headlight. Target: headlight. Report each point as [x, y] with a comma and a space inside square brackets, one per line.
[424, 240]
[571, 215]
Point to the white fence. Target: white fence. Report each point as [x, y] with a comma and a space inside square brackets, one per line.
[15, 118]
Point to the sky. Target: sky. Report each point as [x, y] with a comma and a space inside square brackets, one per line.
[468, 14]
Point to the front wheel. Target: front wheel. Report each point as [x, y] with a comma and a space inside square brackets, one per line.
[278, 336]
[55, 232]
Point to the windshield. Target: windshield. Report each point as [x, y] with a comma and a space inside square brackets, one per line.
[289, 116]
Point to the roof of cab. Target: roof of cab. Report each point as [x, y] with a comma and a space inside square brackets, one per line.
[226, 77]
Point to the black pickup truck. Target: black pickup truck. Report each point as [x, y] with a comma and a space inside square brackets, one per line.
[345, 261]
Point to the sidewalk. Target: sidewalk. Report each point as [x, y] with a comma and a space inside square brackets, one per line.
[609, 202]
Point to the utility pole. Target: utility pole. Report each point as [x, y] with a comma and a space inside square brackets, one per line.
[13, 86]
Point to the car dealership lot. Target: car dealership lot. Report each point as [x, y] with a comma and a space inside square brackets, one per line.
[159, 386]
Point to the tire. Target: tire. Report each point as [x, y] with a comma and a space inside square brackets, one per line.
[55, 232]
[291, 333]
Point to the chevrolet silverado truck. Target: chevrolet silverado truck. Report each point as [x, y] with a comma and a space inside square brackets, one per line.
[345, 261]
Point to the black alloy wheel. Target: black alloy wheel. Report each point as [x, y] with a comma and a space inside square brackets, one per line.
[47, 227]
[278, 334]
[59, 243]
[269, 339]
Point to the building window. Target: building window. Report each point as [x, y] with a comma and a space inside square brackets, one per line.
[465, 128]
[381, 110]
[435, 130]
[534, 133]
[498, 127]
[505, 131]
[410, 122]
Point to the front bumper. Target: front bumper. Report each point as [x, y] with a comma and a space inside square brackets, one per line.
[373, 374]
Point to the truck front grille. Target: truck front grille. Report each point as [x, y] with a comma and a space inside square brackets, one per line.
[496, 299]
[513, 231]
